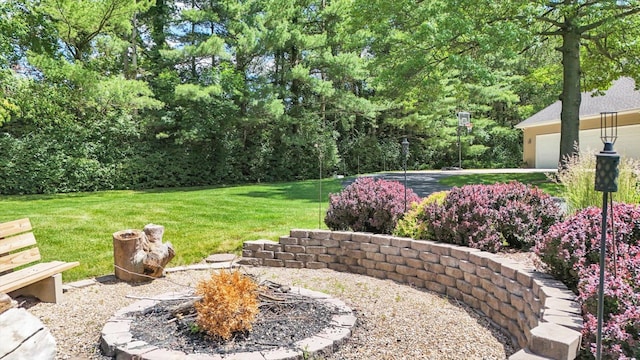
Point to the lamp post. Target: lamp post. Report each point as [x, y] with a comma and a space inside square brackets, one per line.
[405, 152]
[320, 158]
[607, 182]
[464, 120]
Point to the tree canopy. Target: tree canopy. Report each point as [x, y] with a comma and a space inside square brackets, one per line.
[101, 94]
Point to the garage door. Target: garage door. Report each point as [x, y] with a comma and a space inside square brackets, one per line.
[548, 145]
[547, 151]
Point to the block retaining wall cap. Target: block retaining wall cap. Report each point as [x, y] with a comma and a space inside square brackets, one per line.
[529, 306]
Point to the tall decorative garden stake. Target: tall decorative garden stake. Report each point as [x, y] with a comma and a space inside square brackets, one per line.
[607, 182]
[320, 159]
[405, 152]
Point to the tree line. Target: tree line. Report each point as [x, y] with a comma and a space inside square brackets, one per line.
[119, 94]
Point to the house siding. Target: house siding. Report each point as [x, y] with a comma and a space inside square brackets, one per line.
[530, 133]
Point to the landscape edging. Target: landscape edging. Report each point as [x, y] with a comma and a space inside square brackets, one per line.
[537, 311]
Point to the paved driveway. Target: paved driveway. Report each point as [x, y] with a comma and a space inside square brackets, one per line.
[424, 183]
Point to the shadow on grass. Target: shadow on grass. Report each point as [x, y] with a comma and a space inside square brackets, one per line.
[309, 190]
[300, 190]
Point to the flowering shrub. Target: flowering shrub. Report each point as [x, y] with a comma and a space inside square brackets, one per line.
[571, 252]
[621, 324]
[368, 204]
[490, 217]
[571, 245]
[410, 225]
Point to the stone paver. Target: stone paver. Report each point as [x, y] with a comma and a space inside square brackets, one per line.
[555, 341]
[217, 258]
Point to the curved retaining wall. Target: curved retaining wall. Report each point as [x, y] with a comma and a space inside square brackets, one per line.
[537, 311]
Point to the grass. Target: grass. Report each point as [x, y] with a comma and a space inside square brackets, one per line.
[535, 179]
[198, 221]
[579, 179]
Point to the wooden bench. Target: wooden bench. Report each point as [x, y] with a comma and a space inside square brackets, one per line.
[18, 248]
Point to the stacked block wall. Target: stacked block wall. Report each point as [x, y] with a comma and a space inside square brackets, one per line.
[537, 311]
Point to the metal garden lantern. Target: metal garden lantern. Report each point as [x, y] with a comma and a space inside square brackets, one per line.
[607, 162]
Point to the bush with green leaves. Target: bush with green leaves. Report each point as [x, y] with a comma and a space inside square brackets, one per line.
[492, 217]
[410, 225]
[369, 205]
[578, 178]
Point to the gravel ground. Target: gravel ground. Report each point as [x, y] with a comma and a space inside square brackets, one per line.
[394, 321]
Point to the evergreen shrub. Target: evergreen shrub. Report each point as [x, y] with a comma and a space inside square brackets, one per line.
[369, 205]
[492, 217]
[571, 252]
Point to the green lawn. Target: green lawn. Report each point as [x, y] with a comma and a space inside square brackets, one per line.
[197, 221]
[535, 179]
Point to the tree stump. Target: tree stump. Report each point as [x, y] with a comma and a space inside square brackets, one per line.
[126, 244]
[157, 254]
[141, 255]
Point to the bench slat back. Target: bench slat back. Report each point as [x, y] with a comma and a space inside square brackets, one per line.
[12, 261]
[15, 235]
[14, 227]
[16, 242]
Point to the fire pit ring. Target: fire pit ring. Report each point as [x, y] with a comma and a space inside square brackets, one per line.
[116, 339]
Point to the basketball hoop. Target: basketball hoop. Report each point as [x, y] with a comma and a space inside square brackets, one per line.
[464, 118]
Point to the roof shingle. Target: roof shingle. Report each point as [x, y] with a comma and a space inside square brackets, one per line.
[621, 96]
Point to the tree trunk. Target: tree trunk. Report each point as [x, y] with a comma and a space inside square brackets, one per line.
[571, 97]
[134, 48]
[126, 243]
[157, 254]
[140, 255]
[158, 23]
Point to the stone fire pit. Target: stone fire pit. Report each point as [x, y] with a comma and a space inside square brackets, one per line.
[118, 340]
